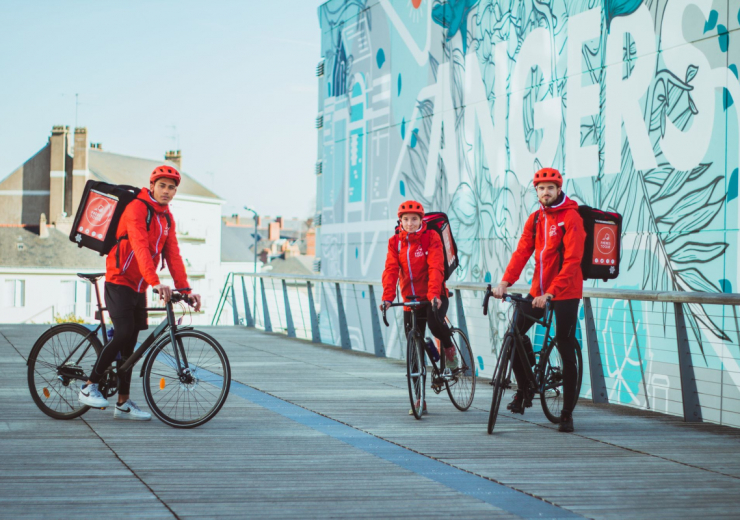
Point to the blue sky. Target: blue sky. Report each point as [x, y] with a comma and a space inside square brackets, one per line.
[231, 83]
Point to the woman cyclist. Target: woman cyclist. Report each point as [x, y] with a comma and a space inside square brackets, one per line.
[416, 258]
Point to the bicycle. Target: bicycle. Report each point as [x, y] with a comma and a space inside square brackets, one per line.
[184, 386]
[459, 383]
[545, 377]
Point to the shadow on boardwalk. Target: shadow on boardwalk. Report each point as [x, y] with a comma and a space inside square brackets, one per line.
[314, 431]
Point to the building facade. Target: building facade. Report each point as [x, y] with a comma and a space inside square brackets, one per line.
[456, 103]
[38, 202]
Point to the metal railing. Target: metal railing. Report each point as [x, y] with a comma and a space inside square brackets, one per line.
[291, 305]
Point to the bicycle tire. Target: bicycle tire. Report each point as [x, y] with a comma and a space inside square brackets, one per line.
[462, 390]
[551, 395]
[415, 375]
[498, 381]
[54, 394]
[209, 368]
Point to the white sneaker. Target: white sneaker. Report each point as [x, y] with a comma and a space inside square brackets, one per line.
[129, 410]
[90, 395]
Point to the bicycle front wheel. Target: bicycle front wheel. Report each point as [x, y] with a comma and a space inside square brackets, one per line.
[499, 381]
[461, 388]
[551, 390]
[59, 363]
[415, 374]
[194, 397]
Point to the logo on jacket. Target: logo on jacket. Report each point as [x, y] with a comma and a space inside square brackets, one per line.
[419, 252]
[553, 230]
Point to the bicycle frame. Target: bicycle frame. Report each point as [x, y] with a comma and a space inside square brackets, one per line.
[156, 334]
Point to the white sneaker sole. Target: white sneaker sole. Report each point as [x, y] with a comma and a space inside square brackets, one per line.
[130, 417]
[93, 403]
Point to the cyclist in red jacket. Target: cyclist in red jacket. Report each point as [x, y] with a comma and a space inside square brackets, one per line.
[555, 234]
[416, 259]
[146, 234]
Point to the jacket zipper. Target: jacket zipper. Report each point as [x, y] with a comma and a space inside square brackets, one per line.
[541, 254]
[408, 260]
[128, 262]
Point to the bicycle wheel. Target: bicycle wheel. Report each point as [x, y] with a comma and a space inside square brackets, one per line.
[499, 381]
[54, 383]
[551, 390]
[415, 374]
[196, 397]
[461, 388]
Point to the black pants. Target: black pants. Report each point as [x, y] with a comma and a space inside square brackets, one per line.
[566, 318]
[127, 311]
[438, 327]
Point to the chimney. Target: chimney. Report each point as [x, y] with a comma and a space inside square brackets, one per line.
[79, 167]
[273, 231]
[311, 242]
[264, 256]
[43, 230]
[279, 220]
[176, 157]
[57, 173]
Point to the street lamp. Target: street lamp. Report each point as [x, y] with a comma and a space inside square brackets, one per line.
[254, 300]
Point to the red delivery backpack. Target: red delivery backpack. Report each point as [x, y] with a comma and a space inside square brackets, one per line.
[100, 210]
[440, 224]
[603, 247]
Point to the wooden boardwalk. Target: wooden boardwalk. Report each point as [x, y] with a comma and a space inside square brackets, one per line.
[316, 432]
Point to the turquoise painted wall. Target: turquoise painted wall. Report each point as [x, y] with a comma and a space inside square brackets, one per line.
[456, 103]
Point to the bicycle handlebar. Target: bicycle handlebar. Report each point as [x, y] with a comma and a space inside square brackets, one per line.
[178, 295]
[418, 304]
[508, 297]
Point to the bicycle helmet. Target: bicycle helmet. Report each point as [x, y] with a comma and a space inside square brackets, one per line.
[165, 171]
[411, 206]
[548, 175]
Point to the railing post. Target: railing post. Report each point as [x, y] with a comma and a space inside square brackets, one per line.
[599, 392]
[343, 329]
[377, 332]
[247, 311]
[691, 405]
[639, 356]
[288, 314]
[315, 333]
[265, 310]
[461, 323]
[233, 303]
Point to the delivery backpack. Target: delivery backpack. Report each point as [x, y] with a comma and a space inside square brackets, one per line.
[440, 224]
[603, 247]
[100, 210]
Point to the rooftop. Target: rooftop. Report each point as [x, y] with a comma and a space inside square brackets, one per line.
[23, 247]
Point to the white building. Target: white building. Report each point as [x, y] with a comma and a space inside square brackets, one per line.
[37, 272]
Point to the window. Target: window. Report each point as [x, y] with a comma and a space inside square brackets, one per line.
[14, 293]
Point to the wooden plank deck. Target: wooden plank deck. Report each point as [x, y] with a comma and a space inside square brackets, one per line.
[264, 457]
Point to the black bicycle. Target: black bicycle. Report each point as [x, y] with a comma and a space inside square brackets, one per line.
[544, 378]
[186, 372]
[459, 383]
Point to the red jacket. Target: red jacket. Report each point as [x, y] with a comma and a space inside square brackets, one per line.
[421, 272]
[559, 233]
[133, 262]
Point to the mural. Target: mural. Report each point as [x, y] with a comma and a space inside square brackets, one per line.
[456, 103]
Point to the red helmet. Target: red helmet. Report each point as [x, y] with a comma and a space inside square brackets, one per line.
[165, 171]
[411, 206]
[548, 175]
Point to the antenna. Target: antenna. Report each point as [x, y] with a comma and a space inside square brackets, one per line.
[76, 105]
[175, 137]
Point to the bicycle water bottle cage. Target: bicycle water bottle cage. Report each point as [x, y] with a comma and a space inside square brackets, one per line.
[413, 298]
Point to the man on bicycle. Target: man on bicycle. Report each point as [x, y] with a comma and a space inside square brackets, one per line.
[416, 256]
[146, 233]
[555, 234]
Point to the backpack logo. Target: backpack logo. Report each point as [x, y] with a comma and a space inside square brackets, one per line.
[553, 230]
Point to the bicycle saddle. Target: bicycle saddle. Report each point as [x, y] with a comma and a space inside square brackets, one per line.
[91, 277]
